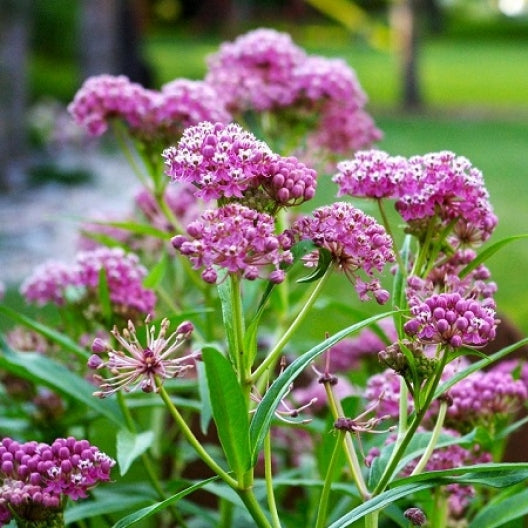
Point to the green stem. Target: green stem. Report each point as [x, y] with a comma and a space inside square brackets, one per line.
[439, 512]
[189, 435]
[120, 136]
[273, 356]
[371, 520]
[325, 494]
[387, 226]
[400, 448]
[432, 441]
[240, 358]
[270, 492]
[350, 451]
[253, 507]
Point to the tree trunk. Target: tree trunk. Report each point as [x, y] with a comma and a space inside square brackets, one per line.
[14, 45]
[405, 22]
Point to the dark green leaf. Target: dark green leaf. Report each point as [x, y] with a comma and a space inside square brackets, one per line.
[229, 408]
[203, 390]
[271, 400]
[131, 446]
[42, 370]
[144, 513]
[104, 296]
[65, 342]
[224, 293]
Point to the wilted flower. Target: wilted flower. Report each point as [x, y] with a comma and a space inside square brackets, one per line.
[141, 366]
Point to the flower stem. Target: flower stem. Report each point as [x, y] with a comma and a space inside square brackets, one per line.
[350, 451]
[325, 494]
[270, 492]
[432, 441]
[272, 357]
[189, 435]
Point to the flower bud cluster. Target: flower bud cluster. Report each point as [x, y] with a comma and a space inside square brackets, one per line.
[438, 185]
[229, 162]
[149, 114]
[37, 476]
[449, 319]
[137, 365]
[123, 271]
[355, 241]
[239, 240]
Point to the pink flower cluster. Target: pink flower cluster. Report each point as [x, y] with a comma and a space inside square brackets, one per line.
[236, 238]
[123, 271]
[264, 70]
[37, 476]
[450, 319]
[137, 365]
[149, 114]
[355, 241]
[440, 184]
[225, 161]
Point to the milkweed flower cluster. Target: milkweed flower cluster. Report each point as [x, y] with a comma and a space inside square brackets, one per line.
[135, 365]
[264, 71]
[150, 115]
[124, 274]
[439, 185]
[355, 241]
[449, 319]
[226, 161]
[37, 478]
[238, 239]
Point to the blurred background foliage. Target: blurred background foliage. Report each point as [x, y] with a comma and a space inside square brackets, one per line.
[469, 63]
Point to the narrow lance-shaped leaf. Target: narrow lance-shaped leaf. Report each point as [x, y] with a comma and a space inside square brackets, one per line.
[42, 370]
[489, 252]
[64, 341]
[271, 400]
[229, 408]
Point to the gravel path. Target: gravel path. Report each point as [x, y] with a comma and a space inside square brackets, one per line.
[41, 222]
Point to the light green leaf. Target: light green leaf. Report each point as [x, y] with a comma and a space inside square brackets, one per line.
[500, 512]
[271, 400]
[131, 446]
[230, 411]
[138, 229]
[489, 252]
[156, 273]
[224, 294]
[325, 259]
[149, 511]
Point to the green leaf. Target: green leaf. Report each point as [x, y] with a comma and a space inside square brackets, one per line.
[108, 499]
[156, 273]
[325, 259]
[229, 408]
[205, 399]
[499, 512]
[271, 400]
[479, 365]
[399, 299]
[488, 252]
[130, 446]
[67, 344]
[42, 370]
[149, 511]
[138, 229]
[496, 475]
[224, 294]
[104, 296]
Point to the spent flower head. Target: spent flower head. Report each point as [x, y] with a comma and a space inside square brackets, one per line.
[141, 365]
